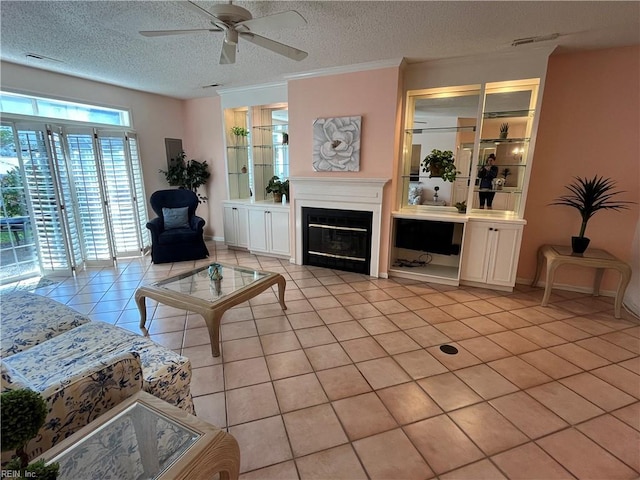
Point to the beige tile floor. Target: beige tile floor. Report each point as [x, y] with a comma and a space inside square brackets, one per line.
[350, 382]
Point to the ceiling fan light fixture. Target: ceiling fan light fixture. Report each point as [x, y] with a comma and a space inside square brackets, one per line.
[231, 37]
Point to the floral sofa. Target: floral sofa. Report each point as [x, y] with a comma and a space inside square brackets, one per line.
[82, 368]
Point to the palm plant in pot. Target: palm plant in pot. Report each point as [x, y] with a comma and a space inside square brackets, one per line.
[588, 196]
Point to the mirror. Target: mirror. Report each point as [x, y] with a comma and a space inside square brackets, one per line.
[444, 120]
[469, 131]
[504, 140]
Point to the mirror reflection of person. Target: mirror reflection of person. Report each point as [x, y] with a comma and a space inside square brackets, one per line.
[486, 175]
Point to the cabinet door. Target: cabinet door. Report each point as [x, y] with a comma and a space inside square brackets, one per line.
[258, 230]
[242, 227]
[230, 237]
[504, 264]
[279, 231]
[476, 253]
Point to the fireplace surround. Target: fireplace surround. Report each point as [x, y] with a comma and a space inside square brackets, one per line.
[351, 194]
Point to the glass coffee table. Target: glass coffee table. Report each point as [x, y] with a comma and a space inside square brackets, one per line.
[196, 292]
[144, 438]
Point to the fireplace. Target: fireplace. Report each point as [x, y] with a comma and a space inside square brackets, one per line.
[339, 239]
[340, 194]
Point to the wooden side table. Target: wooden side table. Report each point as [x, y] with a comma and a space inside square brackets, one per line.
[557, 255]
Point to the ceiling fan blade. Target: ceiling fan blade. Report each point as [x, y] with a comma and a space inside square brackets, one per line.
[277, 47]
[288, 19]
[200, 10]
[162, 33]
[228, 53]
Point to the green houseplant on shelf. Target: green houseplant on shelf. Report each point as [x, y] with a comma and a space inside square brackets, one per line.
[504, 130]
[440, 164]
[589, 196]
[188, 174]
[278, 188]
[240, 135]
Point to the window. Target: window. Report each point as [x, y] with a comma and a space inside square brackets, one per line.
[62, 110]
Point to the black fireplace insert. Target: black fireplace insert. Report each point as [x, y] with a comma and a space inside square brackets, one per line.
[339, 239]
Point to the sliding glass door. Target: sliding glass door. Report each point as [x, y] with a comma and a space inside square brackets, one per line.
[83, 192]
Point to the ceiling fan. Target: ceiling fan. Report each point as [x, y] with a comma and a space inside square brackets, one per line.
[237, 22]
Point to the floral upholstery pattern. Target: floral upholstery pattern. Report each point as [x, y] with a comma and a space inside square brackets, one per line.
[165, 374]
[29, 319]
[114, 451]
[75, 395]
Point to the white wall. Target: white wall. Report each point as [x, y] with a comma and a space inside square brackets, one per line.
[154, 117]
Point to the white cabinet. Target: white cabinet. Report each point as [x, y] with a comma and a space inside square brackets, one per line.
[269, 230]
[490, 252]
[236, 225]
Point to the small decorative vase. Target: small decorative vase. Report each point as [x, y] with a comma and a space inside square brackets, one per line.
[579, 244]
[504, 134]
[215, 272]
[277, 197]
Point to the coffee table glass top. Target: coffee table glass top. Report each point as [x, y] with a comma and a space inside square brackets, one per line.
[139, 443]
[197, 283]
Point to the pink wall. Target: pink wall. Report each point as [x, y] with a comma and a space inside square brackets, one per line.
[589, 124]
[374, 95]
[203, 141]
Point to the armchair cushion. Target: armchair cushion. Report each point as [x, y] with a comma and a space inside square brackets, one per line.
[75, 394]
[175, 217]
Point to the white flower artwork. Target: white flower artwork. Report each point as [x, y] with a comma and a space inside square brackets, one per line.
[336, 144]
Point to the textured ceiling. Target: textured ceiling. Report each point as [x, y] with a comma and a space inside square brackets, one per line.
[100, 40]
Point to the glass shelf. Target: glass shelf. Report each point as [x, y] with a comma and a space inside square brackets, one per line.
[277, 128]
[470, 128]
[237, 147]
[496, 141]
[509, 113]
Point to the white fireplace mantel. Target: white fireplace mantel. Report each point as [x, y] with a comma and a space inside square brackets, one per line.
[362, 194]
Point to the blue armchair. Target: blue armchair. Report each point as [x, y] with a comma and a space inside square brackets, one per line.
[177, 232]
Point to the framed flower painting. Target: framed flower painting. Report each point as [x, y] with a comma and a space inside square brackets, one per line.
[336, 144]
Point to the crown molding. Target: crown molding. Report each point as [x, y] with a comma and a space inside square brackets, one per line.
[357, 67]
[250, 88]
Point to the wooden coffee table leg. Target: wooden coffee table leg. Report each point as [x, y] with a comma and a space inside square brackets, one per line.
[140, 301]
[282, 284]
[213, 318]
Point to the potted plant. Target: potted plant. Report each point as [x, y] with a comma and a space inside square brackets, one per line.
[440, 164]
[504, 130]
[278, 188]
[23, 413]
[189, 174]
[588, 196]
[240, 134]
[461, 206]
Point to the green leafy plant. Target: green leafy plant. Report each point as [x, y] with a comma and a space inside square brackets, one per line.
[461, 206]
[38, 469]
[277, 186]
[22, 414]
[504, 128]
[188, 174]
[12, 194]
[589, 196]
[239, 131]
[440, 164]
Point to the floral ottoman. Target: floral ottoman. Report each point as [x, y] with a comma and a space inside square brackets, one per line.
[29, 319]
